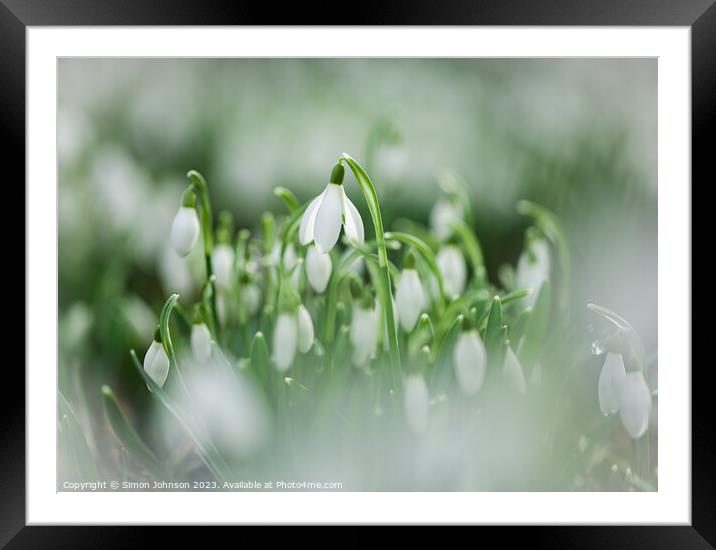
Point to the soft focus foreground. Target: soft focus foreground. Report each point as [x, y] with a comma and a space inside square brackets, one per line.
[502, 214]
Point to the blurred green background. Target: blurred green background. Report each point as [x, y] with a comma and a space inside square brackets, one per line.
[578, 136]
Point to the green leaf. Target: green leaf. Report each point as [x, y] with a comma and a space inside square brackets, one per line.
[494, 333]
[517, 330]
[442, 373]
[129, 437]
[288, 198]
[536, 329]
[259, 357]
[515, 295]
[167, 339]
[75, 437]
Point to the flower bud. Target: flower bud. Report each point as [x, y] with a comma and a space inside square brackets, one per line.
[470, 360]
[453, 269]
[222, 260]
[185, 230]
[634, 404]
[409, 298]
[318, 269]
[285, 340]
[305, 329]
[201, 342]
[156, 362]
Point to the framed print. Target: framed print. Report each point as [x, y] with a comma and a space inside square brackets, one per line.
[417, 273]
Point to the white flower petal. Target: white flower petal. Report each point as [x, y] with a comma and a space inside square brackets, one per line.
[409, 299]
[156, 364]
[610, 379]
[251, 295]
[305, 330]
[222, 260]
[352, 222]
[453, 269]
[318, 269]
[305, 230]
[416, 403]
[442, 214]
[513, 373]
[634, 404]
[363, 334]
[329, 218]
[201, 342]
[470, 362]
[185, 230]
[285, 339]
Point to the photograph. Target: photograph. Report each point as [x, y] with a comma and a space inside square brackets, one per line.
[361, 274]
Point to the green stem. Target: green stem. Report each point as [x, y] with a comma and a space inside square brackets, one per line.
[207, 231]
[371, 198]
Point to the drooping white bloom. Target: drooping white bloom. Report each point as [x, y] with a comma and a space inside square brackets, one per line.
[156, 363]
[416, 403]
[251, 295]
[533, 269]
[185, 230]
[409, 298]
[201, 342]
[305, 329]
[318, 269]
[441, 215]
[222, 260]
[363, 334]
[285, 340]
[324, 216]
[453, 269]
[610, 381]
[289, 257]
[470, 359]
[634, 404]
[513, 373]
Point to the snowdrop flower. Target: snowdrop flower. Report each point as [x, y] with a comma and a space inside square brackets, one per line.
[185, 227]
[305, 329]
[453, 269]
[289, 257]
[533, 268]
[441, 215]
[285, 340]
[610, 381]
[416, 403]
[156, 362]
[250, 294]
[512, 372]
[318, 269]
[200, 341]
[364, 326]
[470, 360]
[635, 404]
[323, 218]
[222, 260]
[409, 295]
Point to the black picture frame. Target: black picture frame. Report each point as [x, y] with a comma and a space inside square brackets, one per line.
[17, 15]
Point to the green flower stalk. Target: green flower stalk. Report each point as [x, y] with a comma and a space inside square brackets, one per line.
[371, 198]
[205, 216]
